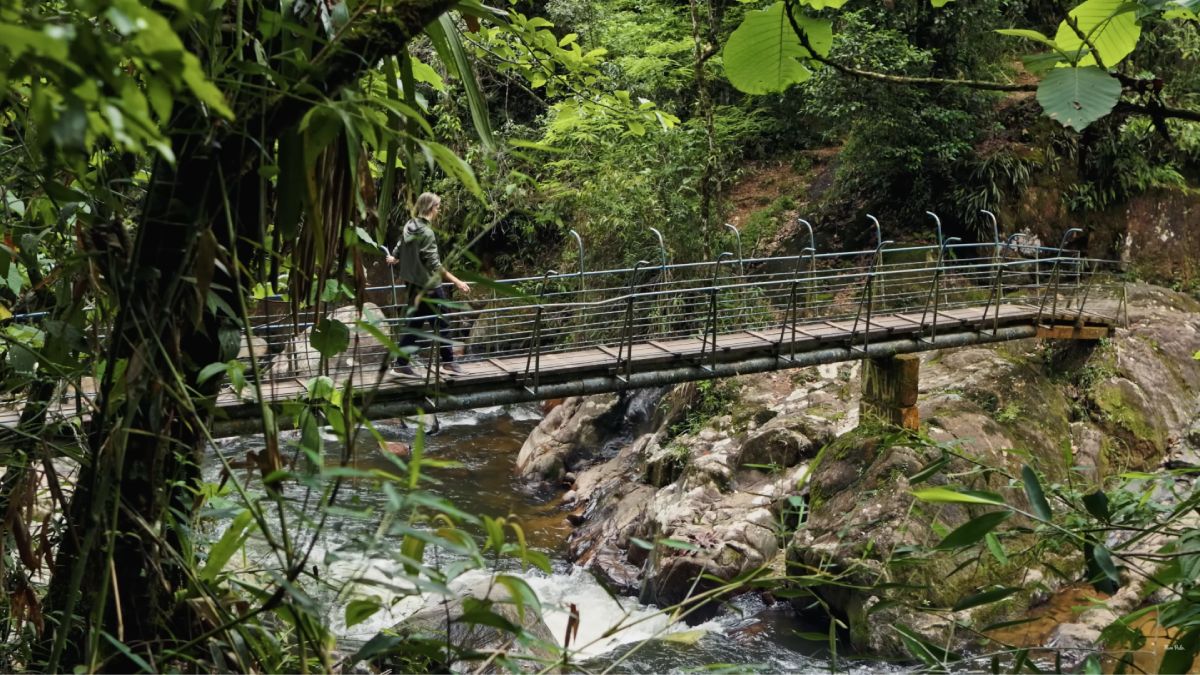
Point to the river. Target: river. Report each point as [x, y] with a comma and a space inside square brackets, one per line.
[745, 634]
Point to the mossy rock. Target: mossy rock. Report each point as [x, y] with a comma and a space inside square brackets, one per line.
[1124, 407]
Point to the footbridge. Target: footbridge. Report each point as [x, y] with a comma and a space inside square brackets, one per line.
[658, 322]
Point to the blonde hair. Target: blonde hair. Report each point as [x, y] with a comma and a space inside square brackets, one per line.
[426, 202]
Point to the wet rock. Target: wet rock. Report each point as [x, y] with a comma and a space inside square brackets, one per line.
[1076, 642]
[397, 448]
[1193, 434]
[665, 465]
[586, 429]
[572, 429]
[1087, 444]
[778, 446]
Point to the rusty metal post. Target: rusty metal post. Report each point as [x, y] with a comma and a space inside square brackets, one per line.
[935, 290]
[868, 299]
[1052, 287]
[711, 320]
[791, 316]
[627, 330]
[535, 348]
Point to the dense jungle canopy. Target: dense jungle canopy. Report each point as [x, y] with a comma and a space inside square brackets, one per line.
[164, 164]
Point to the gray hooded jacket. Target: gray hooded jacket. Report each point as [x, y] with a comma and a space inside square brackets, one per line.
[417, 253]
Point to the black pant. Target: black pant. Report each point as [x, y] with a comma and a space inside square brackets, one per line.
[421, 311]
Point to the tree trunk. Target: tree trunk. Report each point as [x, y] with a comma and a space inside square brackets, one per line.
[134, 502]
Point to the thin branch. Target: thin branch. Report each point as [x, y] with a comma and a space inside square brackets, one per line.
[898, 79]
[1086, 39]
[1158, 112]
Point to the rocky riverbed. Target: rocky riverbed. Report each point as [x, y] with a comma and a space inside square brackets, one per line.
[776, 472]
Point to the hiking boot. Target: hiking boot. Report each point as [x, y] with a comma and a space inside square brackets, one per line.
[452, 368]
[403, 371]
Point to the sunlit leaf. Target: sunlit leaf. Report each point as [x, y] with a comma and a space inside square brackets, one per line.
[1033, 491]
[229, 543]
[764, 54]
[360, 609]
[1111, 26]
[939, 495]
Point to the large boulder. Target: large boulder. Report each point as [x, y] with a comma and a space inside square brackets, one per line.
[572, 429]
[585, 429]
[720, 483]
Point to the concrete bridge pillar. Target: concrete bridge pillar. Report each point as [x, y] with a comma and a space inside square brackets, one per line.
[889, 390]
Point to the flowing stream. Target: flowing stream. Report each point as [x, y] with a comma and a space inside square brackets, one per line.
[485, 443]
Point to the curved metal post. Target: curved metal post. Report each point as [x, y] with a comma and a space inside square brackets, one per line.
[935, 290]
[812, 243]
[877, 260]
[395, 302]
[534, 355]
[662, 247]
[997, 273]
[711, 319]
[868, 297]
[812, 269]
[627, 329]
[737, 236]
[792, 315]
[878, 229]
[579, 241]
[1052, 287]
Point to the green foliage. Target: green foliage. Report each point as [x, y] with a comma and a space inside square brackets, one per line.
[714, 397]
[1076, 97]
[900, 146]
[1112, 27]
[765, 55]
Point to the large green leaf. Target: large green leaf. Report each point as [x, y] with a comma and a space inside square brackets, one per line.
[822, 4]
[985, 597]
[1111, 26]
[330, 337]
[1028, 35]
[1182, 653]
[939, 495]
[973, 530]
[229, 543]
[361, 609]
[1033, 490]
[446, 40]
[1076, 97]
[1104, 561]
[520, 593]
[453, 165]
[764, 55]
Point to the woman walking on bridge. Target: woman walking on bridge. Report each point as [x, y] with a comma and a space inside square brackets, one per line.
[422, 271]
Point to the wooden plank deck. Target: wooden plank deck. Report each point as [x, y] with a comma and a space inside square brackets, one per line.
[494, 373]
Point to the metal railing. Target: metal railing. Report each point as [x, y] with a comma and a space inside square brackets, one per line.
[615, 310]
[518, 324]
